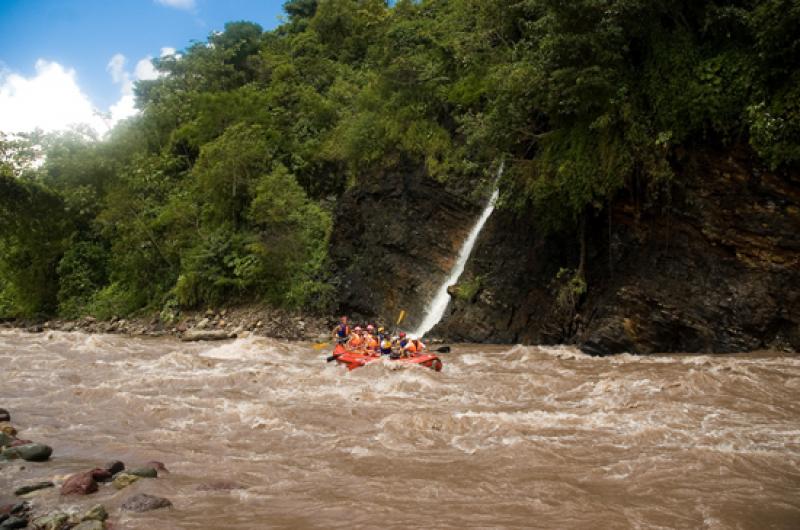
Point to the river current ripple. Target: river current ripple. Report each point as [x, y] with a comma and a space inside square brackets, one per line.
[502, 437]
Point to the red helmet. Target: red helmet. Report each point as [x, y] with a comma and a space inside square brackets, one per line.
[402, 334]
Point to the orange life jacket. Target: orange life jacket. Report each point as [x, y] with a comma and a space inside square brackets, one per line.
[355, 341]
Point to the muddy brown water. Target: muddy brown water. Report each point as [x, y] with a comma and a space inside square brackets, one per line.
[502, 437]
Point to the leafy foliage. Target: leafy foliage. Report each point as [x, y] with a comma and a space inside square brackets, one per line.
[221, 189]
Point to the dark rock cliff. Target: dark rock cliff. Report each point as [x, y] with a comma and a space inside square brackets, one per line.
[718, 270]
[396, 236]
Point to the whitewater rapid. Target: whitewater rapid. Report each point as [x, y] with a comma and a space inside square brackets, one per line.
[502, 437]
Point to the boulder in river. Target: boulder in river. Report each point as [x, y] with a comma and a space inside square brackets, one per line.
[4, 415]
[53, 521]
[114, 467]
[143, 502]
[5, 440]
[29, 452]
[7, 428]
[123, 480]
[212, 334]
[101, 475]
[79, 484]
[23, 490]
[144, 472]
[95, 513]
[13, 522]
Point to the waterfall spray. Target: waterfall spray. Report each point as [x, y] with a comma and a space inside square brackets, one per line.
[435, 310]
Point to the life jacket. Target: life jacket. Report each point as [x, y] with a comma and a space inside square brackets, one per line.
[386, 347]
[403, 343]
[343, 331]
[355, 341]
[411, 347]
[372, 342]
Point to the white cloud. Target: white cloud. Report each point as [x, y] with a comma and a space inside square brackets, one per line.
[145, 71]
[166, 51]
[53, 100]
[116, 67]
[50, 100]
[188, 5]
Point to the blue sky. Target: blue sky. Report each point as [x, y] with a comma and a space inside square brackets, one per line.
[44, 43]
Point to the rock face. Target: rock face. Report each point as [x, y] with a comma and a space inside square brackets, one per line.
[396, 236]
[715, 272]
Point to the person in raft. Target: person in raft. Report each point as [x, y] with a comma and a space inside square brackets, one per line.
[341, 333]
[371, 342]
[413, 347]
[401, 342]
[356, 341]
[387, 347]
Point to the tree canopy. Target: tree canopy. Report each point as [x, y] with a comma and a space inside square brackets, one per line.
[221, 189]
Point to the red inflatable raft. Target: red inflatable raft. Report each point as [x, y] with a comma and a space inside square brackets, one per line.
[353, 359]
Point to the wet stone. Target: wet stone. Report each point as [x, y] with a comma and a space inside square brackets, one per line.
[33, 487]
[14, 522]
[4, 415]
[101, 475]
[144, 472]
[8, 429]
[145, 503]
[79, 484]
[95, 513]
[30, 452]
[53, 521]
[123, 480]
[114, 467]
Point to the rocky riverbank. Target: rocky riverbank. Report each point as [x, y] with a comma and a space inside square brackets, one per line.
[31, 507]
[210, 324]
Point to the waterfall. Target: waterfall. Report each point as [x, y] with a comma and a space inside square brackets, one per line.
[437, 307]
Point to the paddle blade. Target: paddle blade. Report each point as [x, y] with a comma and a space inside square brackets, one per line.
[321, 345]
[401, 317]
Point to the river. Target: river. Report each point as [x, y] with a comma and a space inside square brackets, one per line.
[502, 437]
